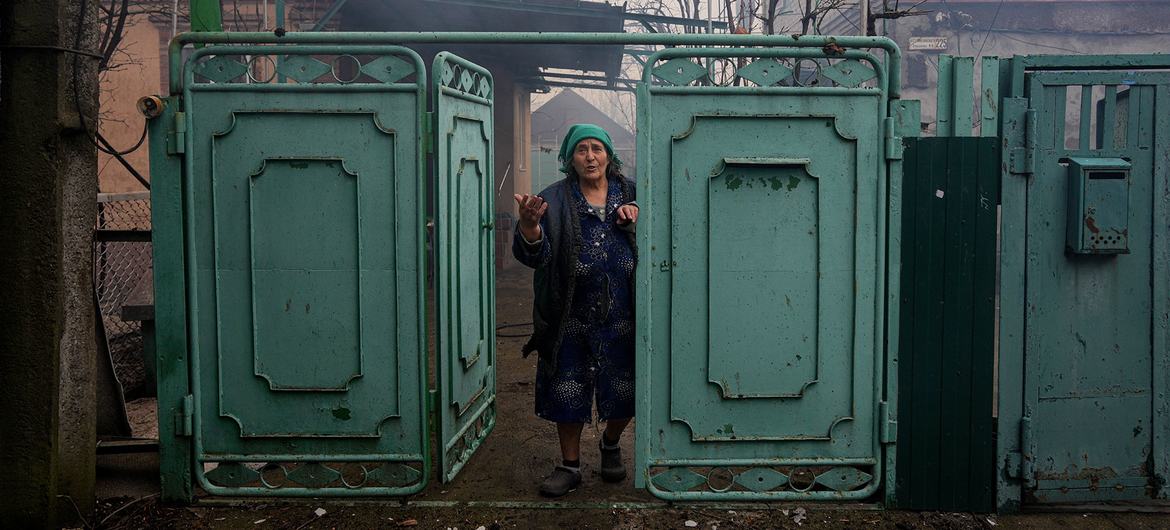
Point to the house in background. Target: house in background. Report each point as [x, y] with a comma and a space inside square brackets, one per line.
[552, 120]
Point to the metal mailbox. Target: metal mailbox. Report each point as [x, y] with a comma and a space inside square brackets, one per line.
[1098, 206]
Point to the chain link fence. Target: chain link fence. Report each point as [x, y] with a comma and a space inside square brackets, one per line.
[120, 269]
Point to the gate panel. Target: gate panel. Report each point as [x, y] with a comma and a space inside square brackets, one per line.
[947, 321]
[1090, 318]
[761, 278]
[465, 256]
[303, 215]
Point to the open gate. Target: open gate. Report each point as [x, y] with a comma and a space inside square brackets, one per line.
[290, 265]
[762, 274]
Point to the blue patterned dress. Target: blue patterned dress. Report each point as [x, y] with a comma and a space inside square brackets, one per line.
[596, 357]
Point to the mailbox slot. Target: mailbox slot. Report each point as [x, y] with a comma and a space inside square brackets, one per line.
[1098, 206]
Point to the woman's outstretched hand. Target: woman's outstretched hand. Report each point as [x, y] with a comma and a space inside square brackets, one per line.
[626, 214]
[532, 208]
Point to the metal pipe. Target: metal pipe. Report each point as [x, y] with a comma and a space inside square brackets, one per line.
[894, 54]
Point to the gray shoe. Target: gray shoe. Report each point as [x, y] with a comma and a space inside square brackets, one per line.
[561, 481]
[612, 469]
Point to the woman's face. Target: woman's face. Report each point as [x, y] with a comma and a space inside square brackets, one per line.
[590, 159]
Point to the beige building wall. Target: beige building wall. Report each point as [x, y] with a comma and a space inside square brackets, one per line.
[121, 123]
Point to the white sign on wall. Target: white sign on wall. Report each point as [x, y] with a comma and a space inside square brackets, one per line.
[928, 44]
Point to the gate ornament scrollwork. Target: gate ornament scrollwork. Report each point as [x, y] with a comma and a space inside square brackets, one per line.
[780, 481]
[322, 476]
[221, 68]
[848, 73]
[765, 72]
[336, 68]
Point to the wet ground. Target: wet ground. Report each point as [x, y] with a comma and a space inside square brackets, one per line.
[498, 488]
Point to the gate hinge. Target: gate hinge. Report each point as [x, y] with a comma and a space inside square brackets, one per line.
[1022, 159]
[177, 136]
[889, 426]
[429, 133]
[893, 141]
[1019, 463]
[184, 419]
[1027, 460]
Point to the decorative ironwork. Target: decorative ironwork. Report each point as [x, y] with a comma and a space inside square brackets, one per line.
[221, 68]
[457, 77]
[388, 69]
[768, 480]
[678, 479]
[323, 476]
[765, 72]
[680, 71]
[848, 73]
[317, 69]
[302, 68]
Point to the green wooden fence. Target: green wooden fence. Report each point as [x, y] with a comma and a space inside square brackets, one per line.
[945, 426]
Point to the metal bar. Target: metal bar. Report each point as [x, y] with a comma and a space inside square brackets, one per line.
[704, 462]
[962, 107]
[280, 13]
[120, 236]
[1057, 109]
[893, 53]
[1086, 124]
[945, 97]
[759, 90]
[1107, 123]
[689, 22]
[128, 196]
[1161, 265]
[563, 84]
[170, 308]
[989, 97]
[329, 14]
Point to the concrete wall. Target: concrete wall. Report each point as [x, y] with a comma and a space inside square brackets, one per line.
[46, 317]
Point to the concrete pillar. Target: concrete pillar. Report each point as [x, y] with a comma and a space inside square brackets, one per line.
[47, 434]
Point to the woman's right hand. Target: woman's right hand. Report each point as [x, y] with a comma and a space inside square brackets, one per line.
[532, 208]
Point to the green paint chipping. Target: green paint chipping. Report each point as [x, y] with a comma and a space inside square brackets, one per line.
[793, 182]
[776, 183]
[729, 429]
[341, 413]
[734, 182]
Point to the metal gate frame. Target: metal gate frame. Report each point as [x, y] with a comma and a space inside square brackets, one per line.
[171, 248]
[1013, 445]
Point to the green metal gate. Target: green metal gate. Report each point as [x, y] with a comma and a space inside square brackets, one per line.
[762, 275]
[465, 264]
[1085, 355]
[302, 207]
[290, 266]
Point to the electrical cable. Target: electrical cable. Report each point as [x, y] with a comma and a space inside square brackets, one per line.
[989, 28]
[97, 135]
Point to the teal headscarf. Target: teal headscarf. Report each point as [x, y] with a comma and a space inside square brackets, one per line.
[580, 132]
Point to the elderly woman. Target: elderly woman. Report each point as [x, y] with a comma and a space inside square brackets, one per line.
[579, 236]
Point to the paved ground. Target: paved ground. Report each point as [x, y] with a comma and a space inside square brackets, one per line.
[497, 489]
